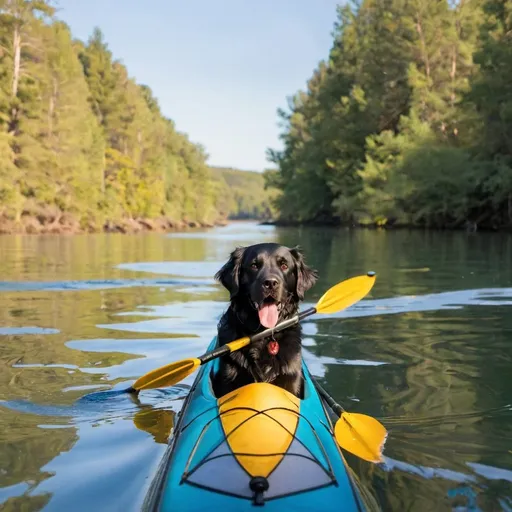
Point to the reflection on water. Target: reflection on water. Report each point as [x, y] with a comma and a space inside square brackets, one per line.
[428, 352]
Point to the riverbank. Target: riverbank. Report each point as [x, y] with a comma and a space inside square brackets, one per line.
[31, 225]
[470, 227]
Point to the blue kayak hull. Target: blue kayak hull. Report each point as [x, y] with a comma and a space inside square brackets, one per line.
[197, 473]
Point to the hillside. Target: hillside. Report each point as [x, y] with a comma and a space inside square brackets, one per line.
[84, 147]
[242, 194]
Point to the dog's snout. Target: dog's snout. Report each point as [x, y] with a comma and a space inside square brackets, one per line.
[271, 283]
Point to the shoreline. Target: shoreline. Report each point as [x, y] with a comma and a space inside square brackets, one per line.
[33, 226]
[468, 227]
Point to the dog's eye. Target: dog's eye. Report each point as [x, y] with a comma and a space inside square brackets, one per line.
[254, 266]
[284, 266]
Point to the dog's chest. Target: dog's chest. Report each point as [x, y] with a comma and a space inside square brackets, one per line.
[266, 366]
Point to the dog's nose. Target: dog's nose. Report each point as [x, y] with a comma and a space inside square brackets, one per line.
[270, 284]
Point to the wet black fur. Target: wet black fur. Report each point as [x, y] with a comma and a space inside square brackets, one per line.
[250, 285]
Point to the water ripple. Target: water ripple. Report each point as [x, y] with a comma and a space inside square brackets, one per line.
[205, 269]
[16, 331]
[428, 302]
[99, 284]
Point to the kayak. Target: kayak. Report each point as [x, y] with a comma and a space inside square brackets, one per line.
[256, 446]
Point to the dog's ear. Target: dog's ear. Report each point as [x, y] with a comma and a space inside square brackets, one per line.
[229, 274]
[306, 276]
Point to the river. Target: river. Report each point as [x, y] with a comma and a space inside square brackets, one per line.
[428, 352]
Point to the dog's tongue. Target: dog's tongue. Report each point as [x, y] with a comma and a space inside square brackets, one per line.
[268, 315]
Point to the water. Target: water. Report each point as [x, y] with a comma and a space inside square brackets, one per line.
[429, 353]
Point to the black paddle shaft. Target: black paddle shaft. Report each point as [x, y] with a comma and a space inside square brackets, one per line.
[225, 349]
[328, 398]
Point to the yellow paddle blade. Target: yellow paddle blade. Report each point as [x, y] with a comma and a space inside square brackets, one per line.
[361, 435]
[167, 375]
[345, 294]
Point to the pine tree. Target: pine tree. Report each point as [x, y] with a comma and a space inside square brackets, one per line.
[68, 131]
[491, 95]
[18, 97]
[398, 184]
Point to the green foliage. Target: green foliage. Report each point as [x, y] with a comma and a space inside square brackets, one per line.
[242, 194]
[491, 96]
[81, 143]
[408, 121]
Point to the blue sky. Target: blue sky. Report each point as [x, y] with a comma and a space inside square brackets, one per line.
[219, 68]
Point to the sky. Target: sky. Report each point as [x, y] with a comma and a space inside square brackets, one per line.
[219, 68]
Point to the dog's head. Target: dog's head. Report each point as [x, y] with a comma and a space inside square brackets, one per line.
[272, 278]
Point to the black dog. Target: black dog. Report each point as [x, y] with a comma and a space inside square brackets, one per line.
[266, 283]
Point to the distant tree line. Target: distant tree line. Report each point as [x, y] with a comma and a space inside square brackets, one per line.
[408, 121]
[247, 197]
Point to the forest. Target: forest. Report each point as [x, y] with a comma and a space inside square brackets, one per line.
[84, 147]
[407, 122]
[247, 198]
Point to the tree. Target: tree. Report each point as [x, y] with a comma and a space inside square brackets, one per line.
[492, 98]
[17, 95]
[386, 130]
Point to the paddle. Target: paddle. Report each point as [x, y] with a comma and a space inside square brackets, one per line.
[335, 299]
[357, 433]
